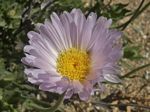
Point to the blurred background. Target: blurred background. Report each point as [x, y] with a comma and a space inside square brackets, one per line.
[17, 17]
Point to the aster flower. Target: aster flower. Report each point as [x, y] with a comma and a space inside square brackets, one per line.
[71, 53]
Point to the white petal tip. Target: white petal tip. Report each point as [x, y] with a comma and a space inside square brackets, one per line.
[112, 78]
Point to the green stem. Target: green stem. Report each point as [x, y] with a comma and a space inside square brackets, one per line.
[135, 70]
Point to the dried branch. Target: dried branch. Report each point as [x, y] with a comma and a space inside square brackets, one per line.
[137, 12]
[135, 70]
[101, 103]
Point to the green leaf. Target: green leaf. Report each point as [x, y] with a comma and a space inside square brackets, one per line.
[1, 94]
[116, 11]
[132, 52]
[37, 104]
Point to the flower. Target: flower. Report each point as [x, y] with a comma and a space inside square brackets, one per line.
[71, 54]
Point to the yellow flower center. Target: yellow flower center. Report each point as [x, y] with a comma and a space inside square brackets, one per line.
[73, 64]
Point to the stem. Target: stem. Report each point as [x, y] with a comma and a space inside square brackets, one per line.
[135, 70]
[143, 8]
[137, 13]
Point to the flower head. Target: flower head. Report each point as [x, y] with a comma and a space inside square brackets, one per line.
[71, 53]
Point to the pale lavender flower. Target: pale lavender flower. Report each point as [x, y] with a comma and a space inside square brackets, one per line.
[71, 53]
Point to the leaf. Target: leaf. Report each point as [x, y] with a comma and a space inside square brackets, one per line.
[116, 11]
[132, 52]
[45, 4]
[1, 94]
[37, 104]
[4, 74]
